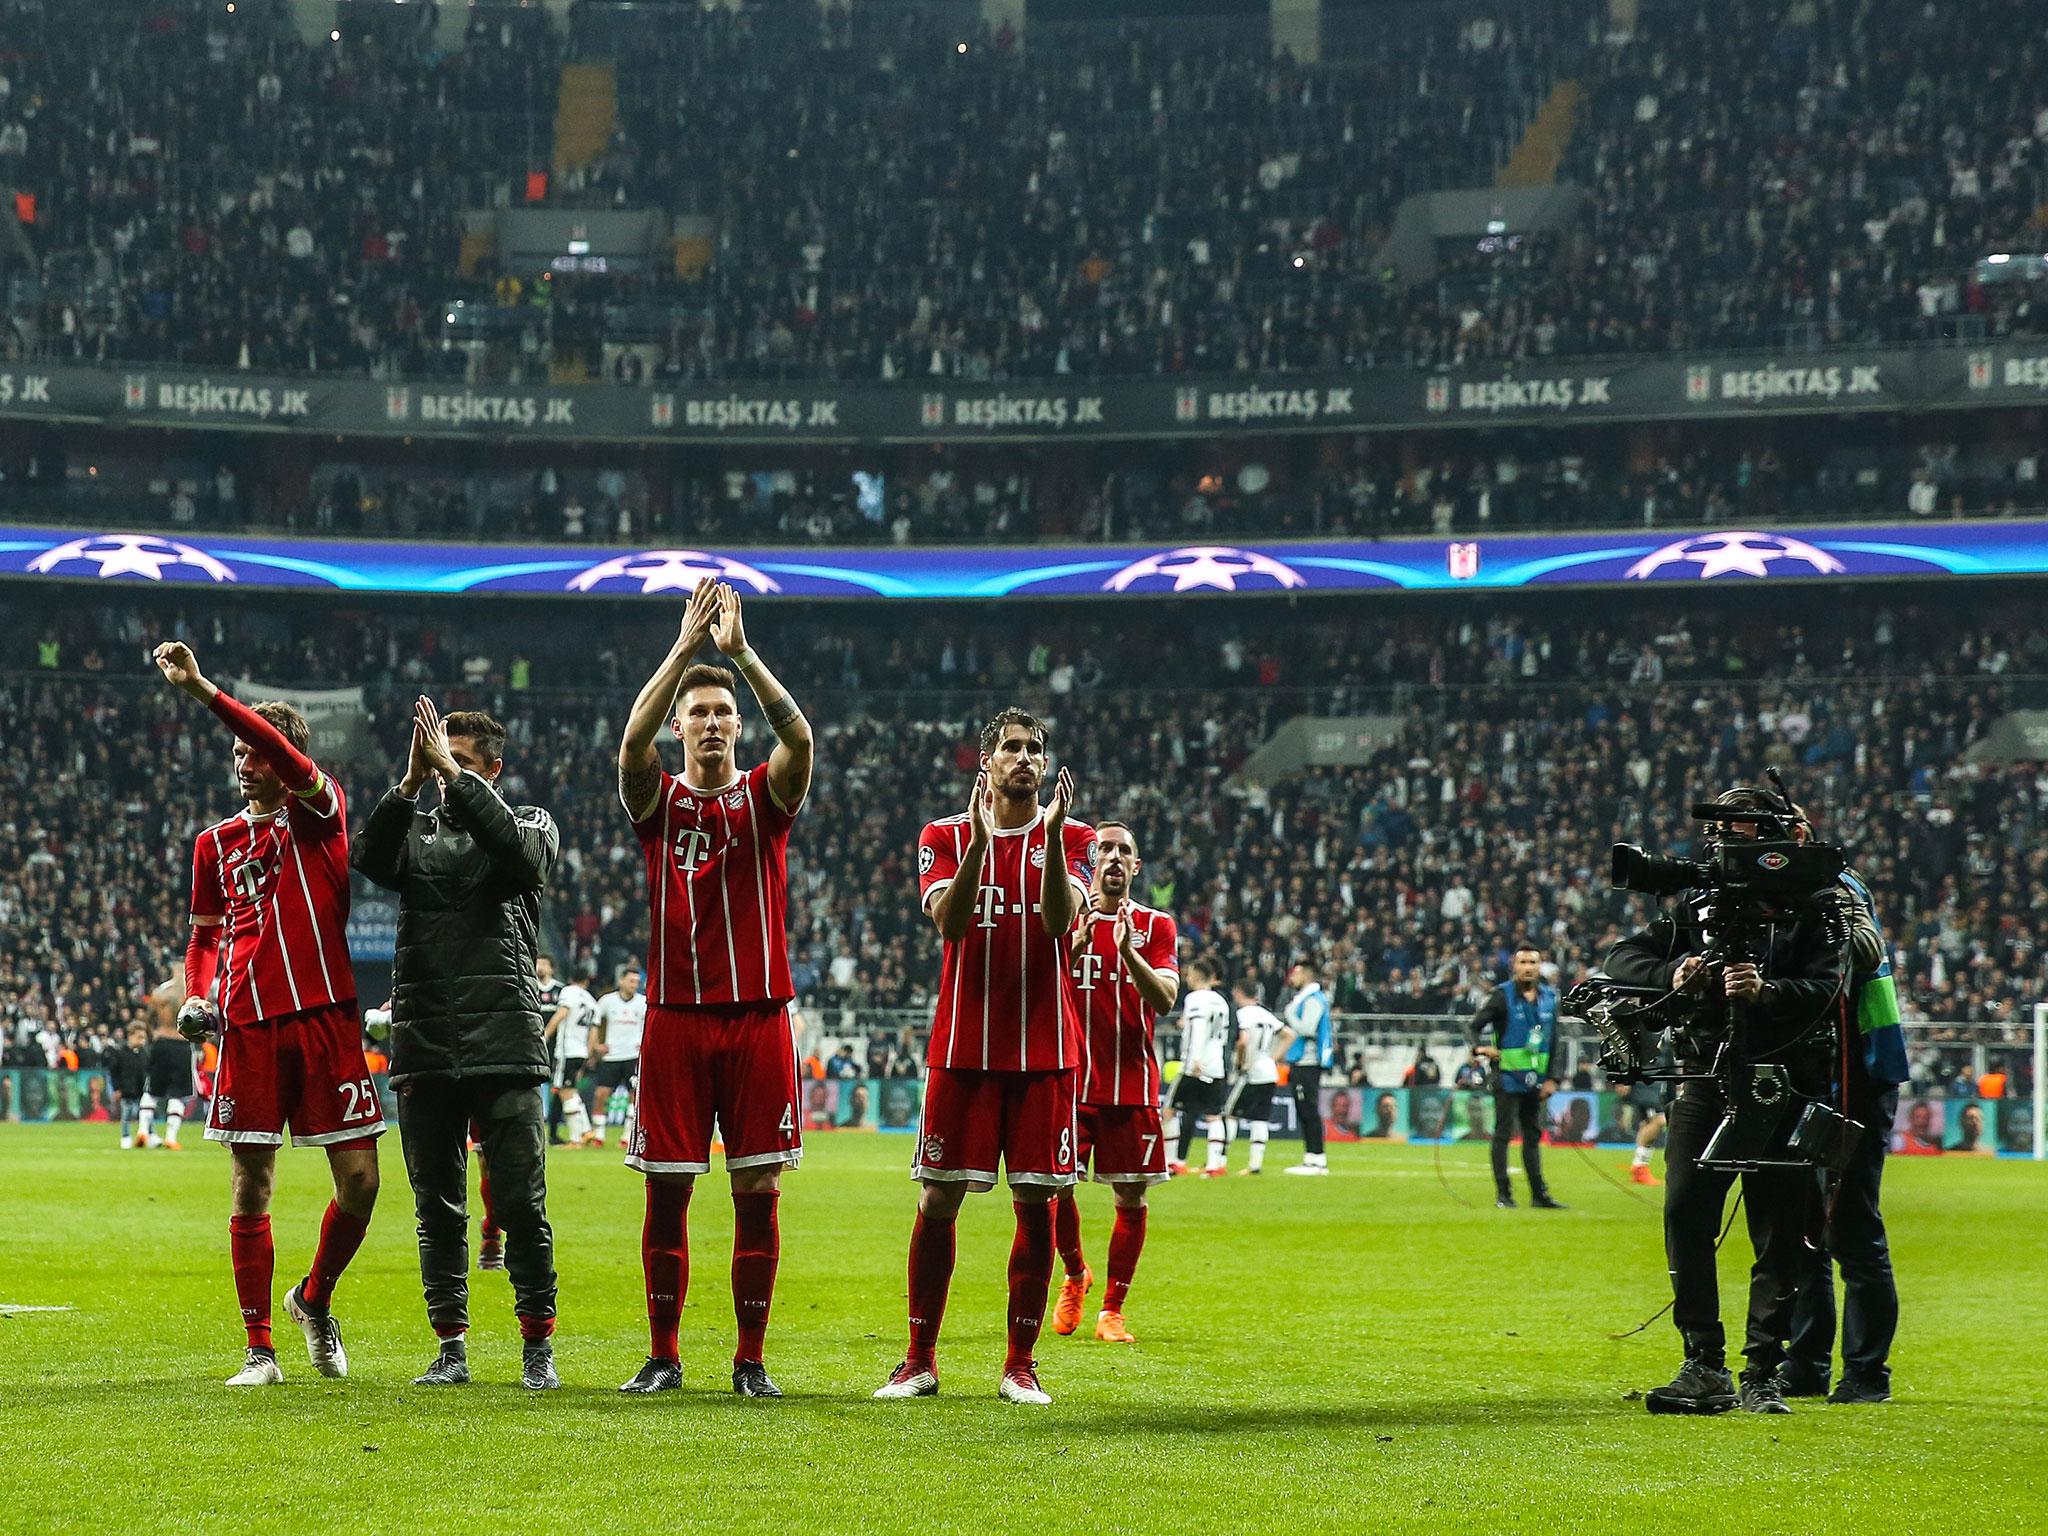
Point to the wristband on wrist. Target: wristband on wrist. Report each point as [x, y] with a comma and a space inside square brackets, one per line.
[746, 660]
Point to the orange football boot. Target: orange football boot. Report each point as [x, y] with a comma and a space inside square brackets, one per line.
[1109, 1327]
[1066, 1313]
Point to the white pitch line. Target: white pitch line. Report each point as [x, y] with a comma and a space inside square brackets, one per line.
[9, 1307]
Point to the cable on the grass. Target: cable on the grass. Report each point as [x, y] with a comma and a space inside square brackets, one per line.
[1593, 1163]
[1436, 1152]
[1639, 1327]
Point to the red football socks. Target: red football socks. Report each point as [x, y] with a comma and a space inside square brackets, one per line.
[1066, 1229]
[1030, 1279]
[756, 1246]
[932, 1248]
[536, 1329]
[340, 1236]
[665, 1259]
[250, 1251]
[1126, 1242]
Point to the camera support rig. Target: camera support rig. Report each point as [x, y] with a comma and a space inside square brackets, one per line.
[1739, 886]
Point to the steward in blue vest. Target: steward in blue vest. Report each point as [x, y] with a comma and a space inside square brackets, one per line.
[1516, 1029]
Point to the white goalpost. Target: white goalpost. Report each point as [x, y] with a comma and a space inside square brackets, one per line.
[2040, 1079]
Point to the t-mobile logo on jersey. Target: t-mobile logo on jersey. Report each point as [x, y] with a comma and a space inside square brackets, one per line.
[1090, 969]
[989, 905]
[248, 878]
[693, 844]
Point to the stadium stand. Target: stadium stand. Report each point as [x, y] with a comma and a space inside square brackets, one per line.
[1367, 486]
[1529, 738]
[1099, 199]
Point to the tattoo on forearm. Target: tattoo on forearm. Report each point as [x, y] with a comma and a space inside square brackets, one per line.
[781, 711]
[637, 786]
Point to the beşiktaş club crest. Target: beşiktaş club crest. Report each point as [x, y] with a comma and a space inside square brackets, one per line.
[1736, 554]
[668, 570]
[127, 554]
[1215, 566]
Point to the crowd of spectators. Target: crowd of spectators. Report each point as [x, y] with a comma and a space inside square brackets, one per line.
[211, 187]
[1361, 487]
[1529, 740]
[889, 196]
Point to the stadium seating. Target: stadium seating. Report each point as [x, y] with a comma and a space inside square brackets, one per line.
[1353, 487]
[895, 199]
[1539, 738]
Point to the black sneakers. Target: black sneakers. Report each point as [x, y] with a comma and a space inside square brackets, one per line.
[537, 1368]
[1697, 1388]
[1851, 1390]
[1760, 1393]
[750, 1379]
[1797, 1379]
[1544, 1202]
[656, 1376]
[448, 1370]
[1505, 1200]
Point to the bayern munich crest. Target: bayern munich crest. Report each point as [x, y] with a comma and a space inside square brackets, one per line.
[1737, 554]
[1217, 567]
[125, 554]
[668, 570]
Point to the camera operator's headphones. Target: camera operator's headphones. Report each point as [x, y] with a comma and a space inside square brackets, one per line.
[1771, 804]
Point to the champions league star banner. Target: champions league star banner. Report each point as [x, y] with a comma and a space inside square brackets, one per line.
[1724, 557]
[1534, 392]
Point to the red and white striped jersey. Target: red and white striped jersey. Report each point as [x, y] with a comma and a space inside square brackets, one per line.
[1005, 1004]
[279, 885]
[1118, 1066]
[717, 894]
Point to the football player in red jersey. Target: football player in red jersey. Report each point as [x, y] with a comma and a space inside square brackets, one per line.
[1004, 883]
[1126, 972]
[719, 1040]
[270, 897]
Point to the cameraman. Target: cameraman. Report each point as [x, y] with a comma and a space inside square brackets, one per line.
[1786, 1002]
[1870, 1064]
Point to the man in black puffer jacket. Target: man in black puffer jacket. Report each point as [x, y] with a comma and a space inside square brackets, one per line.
[466, 1021]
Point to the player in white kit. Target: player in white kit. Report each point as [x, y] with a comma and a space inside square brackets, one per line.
[621, 1021]
[569, 1028]
[1261, 1037]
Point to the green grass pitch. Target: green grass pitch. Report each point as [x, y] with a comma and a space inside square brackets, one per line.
[1356, 1354]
